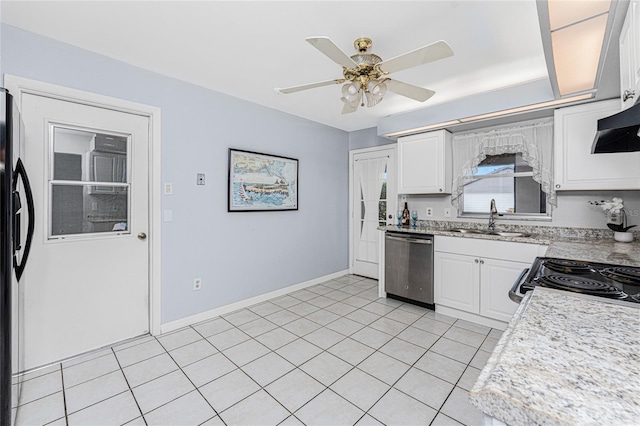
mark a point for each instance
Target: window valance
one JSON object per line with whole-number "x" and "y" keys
{"x": 534, "y": 139}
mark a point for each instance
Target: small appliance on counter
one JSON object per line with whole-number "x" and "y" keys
{"x": 611, "y": 281}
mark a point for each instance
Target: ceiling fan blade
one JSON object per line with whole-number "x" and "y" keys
{"x": 420, "y": 94}
{"x": 429, "y": 53}
{"x": 293, "y": 89}
{"x": 333, "y": 52}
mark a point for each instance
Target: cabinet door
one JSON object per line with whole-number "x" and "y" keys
{"x": 575, "y": 167}
{"x": 424, "y": 163}
{"x": 496, "y": 278}
{"x": 634, "y": 10}
{"x": 628, "y": 57}
{"x": 457, "y": 281}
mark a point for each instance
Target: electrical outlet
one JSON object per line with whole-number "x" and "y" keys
{"x": 197, "y": 284}
{"x": 447, "y": 212}
{"x": 429, "y": 211}
{"x": 168, "y": 189}
{"x": 200, "y": 178}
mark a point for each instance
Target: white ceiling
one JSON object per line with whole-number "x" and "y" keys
{"x": 245, "y": 49}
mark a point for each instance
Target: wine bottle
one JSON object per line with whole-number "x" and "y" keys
{"x": 406, "y": 216}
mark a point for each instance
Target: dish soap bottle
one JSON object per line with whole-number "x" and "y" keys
{"x": 406, "y": 216}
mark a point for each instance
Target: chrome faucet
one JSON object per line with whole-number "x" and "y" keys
{"x": 493, "y": 212}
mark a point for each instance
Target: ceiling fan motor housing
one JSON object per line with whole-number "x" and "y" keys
{"x": 367, "y": 69}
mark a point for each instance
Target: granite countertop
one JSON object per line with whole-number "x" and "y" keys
{"x": 564, "y": 359}
{"x": 595, "y": 245}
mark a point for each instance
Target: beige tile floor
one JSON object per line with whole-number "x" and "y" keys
{"x": 331, "y": 354}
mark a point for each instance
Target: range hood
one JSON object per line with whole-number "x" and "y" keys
{"x": 619, "y": 132}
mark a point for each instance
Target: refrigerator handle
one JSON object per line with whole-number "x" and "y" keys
{"x": 22, "y": 173}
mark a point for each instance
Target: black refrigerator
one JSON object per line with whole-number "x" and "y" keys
{"x": 14, "y": 188}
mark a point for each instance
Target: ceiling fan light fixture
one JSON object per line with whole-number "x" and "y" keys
{"x": 351, "y": 94}
{"x": 375, "y": 92}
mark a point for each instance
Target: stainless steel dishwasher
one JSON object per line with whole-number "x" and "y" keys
{"x": 408, "y": 263}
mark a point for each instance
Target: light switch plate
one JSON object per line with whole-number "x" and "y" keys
{"x": 200, "y": 178}
{"x": 168, "y": 189}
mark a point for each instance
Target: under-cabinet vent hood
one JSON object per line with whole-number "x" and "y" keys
{"x": 619, "y": 132}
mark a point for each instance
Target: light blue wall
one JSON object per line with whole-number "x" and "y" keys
{"x": 367, "y": 138}
{"x": 237, "y": 255}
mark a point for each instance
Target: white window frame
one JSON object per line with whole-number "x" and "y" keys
{"x": 505, "y": 216}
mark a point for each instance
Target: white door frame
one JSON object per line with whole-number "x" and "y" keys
{"x": 18, "y": 86}
{"x": 352, "y": 154}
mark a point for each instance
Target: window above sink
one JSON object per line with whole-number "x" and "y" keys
{"x": 508, "y": 179}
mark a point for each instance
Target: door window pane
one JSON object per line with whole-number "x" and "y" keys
{"x": 81, "y": 155}
{"x": 89, "y": 188}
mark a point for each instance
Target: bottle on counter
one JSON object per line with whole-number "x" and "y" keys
{"x": 406, "y": 216}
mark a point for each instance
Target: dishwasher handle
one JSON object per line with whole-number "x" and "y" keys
{"x": 410, "y": 240}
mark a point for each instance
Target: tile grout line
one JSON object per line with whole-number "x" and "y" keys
{"x": 129, "y": 386}
{"x": 64, "y": 396}
{"x": 197, "y": 389}
{"x": 258, "y": 384}
{"x": 404, "y": 374}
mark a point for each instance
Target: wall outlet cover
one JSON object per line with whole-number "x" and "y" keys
{"x": 429, "y": 211}
{"x": 168, "y": 189}
{"x": 200, "y": 178}
{"x": 197, "y": 284}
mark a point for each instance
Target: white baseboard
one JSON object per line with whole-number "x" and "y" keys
{"x": 488, "y": 322}
{"x": 204, "y": 316}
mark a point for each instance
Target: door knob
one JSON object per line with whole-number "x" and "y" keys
{"x": 142, "y": 236}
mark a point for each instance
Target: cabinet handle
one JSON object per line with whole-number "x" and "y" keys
{"x": 557, "y": 185}
{"x": 482, "y": 262}
{"x": 475, "y": 260}
{"x": 440, "y": 189}
{"x": 628, "y": 94}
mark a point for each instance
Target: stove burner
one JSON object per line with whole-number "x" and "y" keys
{"x": 580, "y": 285}
{"x": 623, "y": 274}
{"x": 568, "y": 266}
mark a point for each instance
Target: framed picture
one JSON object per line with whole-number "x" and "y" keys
{"x": 261, "y": 182}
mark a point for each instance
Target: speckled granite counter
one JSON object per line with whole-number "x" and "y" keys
{"x": 597, "y": 250}
{"x": 564, "y": 359}
{"x": 596, "y": 245}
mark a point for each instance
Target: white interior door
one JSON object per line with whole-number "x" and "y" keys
{"x": 374, "y": 198}
{"x": 86, "y": 284}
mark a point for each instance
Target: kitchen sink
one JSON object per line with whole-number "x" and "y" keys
{"x": 489, "y": 232}
{"x": 466, "y": 231}
{"x": 508, "y": 234}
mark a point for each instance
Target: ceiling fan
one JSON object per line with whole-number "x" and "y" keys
{"x": 366, "y": 73}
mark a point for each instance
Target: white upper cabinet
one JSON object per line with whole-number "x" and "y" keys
{"x": 424, "y": 163}
{"x": 575, "y": 167}
{"x": 630, "y": 56}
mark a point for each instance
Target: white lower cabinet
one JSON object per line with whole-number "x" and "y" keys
{"x": 472, "y": 277}
{"x": 462, "y": 278}
{"x": 496, "y": 279}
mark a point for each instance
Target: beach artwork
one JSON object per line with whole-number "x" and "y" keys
{"x": 260, "y": 182}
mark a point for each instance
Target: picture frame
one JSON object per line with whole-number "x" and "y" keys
{"x": 259, "y": 182}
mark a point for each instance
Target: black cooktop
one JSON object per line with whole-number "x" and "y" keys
{"x": 596, "y": 279}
